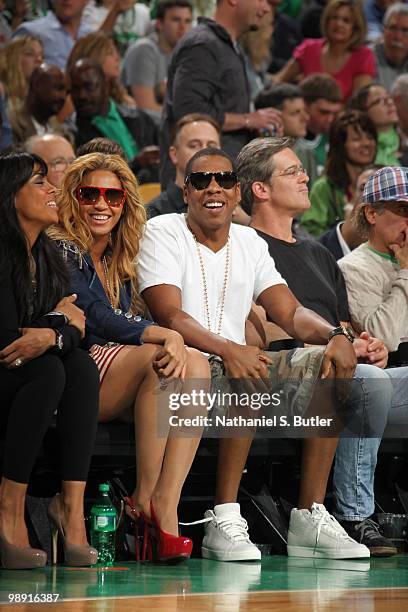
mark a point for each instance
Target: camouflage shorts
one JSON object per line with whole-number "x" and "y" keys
{"x": 292, "y": 375}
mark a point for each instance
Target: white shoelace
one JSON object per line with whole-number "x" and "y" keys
{"x": 234, "y": 525}
{"x": 326, "y": 520}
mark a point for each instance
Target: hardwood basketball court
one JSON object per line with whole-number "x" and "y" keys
{"x": 199, "y": 585}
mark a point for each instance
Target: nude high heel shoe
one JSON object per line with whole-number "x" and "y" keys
{"x": 15, "y": 557}
{"x": 75, "y": 555}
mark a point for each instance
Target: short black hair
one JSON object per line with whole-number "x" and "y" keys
{"x": 165, "y": 5}
{"x": 208, "y": 152}
{"x": 276, "y": 95}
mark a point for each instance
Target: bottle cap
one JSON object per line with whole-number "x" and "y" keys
{"x": 103, "y": 487}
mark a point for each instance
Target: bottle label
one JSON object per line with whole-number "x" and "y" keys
{"x": 104, "y": 523}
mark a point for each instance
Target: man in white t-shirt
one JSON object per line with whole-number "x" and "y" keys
{"x": 199, "y": 275}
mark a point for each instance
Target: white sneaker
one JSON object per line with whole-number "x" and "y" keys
{"x": 226, "y": 536}
{"x": 318, "y": 534}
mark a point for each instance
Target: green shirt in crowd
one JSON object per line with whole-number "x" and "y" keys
{"x": 388, "y": 144}
{"x": 112, "y": 126}
{"x": 327, "y": 207}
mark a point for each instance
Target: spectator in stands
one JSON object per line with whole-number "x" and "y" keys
{"x": 374, "y": 13}
{"x": 56, "y": 151}
{"x": 98, "y": 115}
{"x": 289, "y": 100}
{"x": 391, "y": 53}
{"x": 42, "y": 373}
{"x": 353, "y": 143}
{"x": 12, "y": 14}
{"x": 376, "y": 273}
{"x": 146, "y": 62}
{"x": 379, "y": 105}
{"x": 17, "y": 62}
{"x": 101, "y": 48}
{"x": 286, "y": 36}
{"x": 322, "y": 98}
{"x": 58, "y": 30}
{"x": 46, "y": 96}
{"x": 310, "y": 18}
{"x": 343, "y": 238}
{"x": 198, "y": 82}
{"x": 257, "y": 49}
{"x": 127, "y": 20}
{"x": 101, "y": 223}
{"x": 273, "y": 199}
{"x": 101, "y": 145}
{"x": 340, "y": 53}
{"x": 191, "y": 134}
{"x": 235, "y": 268}
{"x": 18, "y": 11}
{"x": 399, "y": 92}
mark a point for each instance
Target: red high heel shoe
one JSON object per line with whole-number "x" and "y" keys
{"x": 163, "y": 547}
{"x": 140, "y": 530}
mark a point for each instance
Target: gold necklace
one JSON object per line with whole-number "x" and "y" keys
{"x": 224, "y": 287}
{"x": 108, "y": 287}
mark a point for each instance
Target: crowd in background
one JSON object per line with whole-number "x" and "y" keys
{"x": 83, "y": 69}
{"x": 94, "y": 93}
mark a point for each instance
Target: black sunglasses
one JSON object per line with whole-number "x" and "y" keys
{"x": 201, "y": 180}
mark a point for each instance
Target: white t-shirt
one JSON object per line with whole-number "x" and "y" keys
{"x": 135, "y": 21}
{"x": 168, "y": 256}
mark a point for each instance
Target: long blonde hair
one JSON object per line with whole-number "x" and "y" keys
{"x": 257, "y": 44}
{"x": 125, "y": 238}
{"x": 96, "y": 46}
{"x": 11, "y": 72}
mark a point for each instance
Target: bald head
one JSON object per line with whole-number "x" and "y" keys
{"x": 47, "y": 91}
{"x": 89, "y": 89}
{"x": 56, "y": 151}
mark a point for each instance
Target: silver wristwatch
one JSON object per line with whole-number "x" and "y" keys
{"x": 59, "y": 340}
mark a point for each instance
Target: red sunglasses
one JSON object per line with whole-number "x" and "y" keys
{"x": 113, "y": 196}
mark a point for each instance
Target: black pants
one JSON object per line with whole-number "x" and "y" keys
{"x": 31, "y": 394}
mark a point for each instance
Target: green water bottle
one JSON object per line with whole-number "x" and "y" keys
{"x": 103, "y": 527}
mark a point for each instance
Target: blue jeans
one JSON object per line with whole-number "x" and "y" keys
{"x": 379, "y": 397}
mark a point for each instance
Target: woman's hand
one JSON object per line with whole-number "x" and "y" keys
{"x": 34, "y": 342}
{"x": 75, "y": 315}
{"x": 171, "y": 360}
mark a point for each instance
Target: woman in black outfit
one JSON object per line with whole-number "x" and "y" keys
{"x": 41, "y": 370}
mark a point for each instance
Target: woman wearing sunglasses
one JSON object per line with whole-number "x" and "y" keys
{"x": 101, "y": 223}
{"x": 41, "y": 370}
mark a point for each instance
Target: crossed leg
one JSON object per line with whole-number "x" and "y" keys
{"x": 163, "y": 458}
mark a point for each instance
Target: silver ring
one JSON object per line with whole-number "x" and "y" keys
{"x": 18, "y": 362}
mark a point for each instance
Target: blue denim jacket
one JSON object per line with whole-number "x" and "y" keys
{"x": 103, "y": 323}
